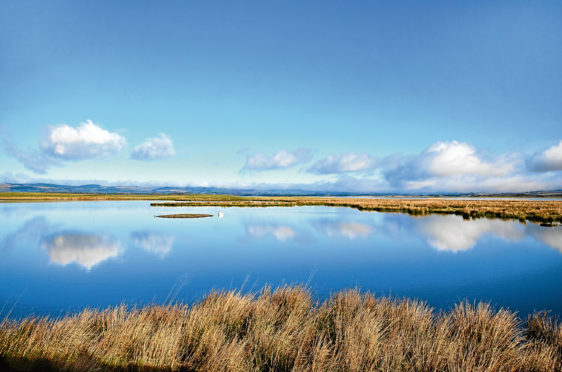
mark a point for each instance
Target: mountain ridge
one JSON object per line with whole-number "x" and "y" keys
{"x": 128, "y": 189}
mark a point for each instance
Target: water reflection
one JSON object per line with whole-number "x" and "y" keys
{"x": 87, "y": 250}
{"x": 155, "y": 243}
{"x": 32, "y": 231}
{"x": 453, "y": 234}
{"x": 280, "y": 232}
{"x": 349, "y": 230}
{"x": 108, "y": 252}
{"x": 443, "y": 233}
{"x": 551, "y": 236}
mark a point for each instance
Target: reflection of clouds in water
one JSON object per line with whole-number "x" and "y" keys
{"x": 31, "y": 231}
{"x": 452, "y": 233}
{"x": 87, "y": 250}
{"x": 396, "y": 226}
{"x": 350, "y": 230}
{"x": 280, "y": 232}
{"x": 156, "y": 243}
{"x": 11, "y": 210}
{"x": 551, "y": 236}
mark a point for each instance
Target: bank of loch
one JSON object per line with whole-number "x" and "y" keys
{"x": 543, "y": 211}
{"x": 283, "y": 330}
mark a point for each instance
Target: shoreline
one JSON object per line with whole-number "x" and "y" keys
{"x": 548, "y": 212}
{"x": 285, "y": 329}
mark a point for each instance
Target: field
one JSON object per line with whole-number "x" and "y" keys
{"x": 45, "y": 196}
{"x": 542, "y": 211}
{"x": 547, "y": 212}
{"x": 285, "y": 330}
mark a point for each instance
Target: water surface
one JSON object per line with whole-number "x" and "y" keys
{"x": 59, "y": 257}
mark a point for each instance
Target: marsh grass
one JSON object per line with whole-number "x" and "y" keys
{"x": 545, "y": 212}
{"x": 284, "y": 330}
{"x": 48, "y": 196}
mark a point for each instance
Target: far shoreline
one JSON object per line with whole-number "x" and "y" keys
{"x": 543, "y": 211}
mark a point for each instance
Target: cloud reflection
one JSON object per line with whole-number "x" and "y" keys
{"x": 453, "y": 234}
{"x": 349, "y": 230}
{"x": 280, "y": 232}
{"x": 87, "y": 250}
{"x": 155, "y": 243}
{"x": 551, "y": 236}
{"x": 32, "y": 231}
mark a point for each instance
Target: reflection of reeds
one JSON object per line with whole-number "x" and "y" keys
{"x": 285, "y": 330}
{"x": 524, "y": 210}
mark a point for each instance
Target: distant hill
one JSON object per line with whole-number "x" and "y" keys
{"x": 99, "y": 189}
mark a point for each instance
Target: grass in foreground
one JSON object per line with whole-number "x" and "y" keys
{"x": 285, "y": 330}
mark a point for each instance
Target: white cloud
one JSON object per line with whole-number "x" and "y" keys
{"x": 281, "y": 160}
{"x": 64, "y": 142}
{"x": 35, "y": 161}
{"x": 548, "y": 160}
{"x": 154, "y": 148}
{"x": 85, "y": 249}
{"x": 471, "y": 183}
{"x": 346, "y": 163}
{"x": 449, "y": 166}
{"x": 453, "y": 234}
{"x": 158, "y": 244}
{"x": 451, "y": 158}
{"x": 88, "y": 140}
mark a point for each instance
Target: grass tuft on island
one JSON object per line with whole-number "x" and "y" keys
{"x": 284, "y": 330}
{"x": 185, "y": 215}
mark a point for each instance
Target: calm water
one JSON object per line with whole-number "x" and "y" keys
{"x": 59, "y": 257}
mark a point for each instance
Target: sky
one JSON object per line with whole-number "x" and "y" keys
{"x": 357, "y": 96}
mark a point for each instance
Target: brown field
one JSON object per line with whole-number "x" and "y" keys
{"x": 546, "y": 211}
{"x": 45, "y": 196}
{"x": 541, "y": 211}
{"x": 285, "y": 330}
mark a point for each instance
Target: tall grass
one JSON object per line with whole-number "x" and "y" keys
{"x": 547, "y": 212}
{"x": 542, "y": 211}
{"x": 285, "y": 330}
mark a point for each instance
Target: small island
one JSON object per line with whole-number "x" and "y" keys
{"x": 185, "y": 215}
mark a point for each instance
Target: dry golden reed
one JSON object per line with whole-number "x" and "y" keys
{"x": 284, "y": 330}
{"x": 543, "y": 211}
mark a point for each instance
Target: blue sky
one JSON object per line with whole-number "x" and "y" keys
{"x": 354, "y": 96}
